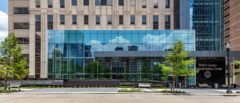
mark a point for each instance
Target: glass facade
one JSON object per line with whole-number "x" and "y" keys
{"x": 71, "y": 53}
{"x": 206, "y": 18}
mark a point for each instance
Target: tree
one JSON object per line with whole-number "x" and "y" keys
{"x": 237, "y": 63}
{"x": 177, "y": 63}
{"x": 12, "y": 64}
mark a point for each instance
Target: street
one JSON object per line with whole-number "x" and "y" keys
{"x": 114, "y": 98}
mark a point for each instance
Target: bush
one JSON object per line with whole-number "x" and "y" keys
{"x": 159, "y": 88}
{"x": 238, "y": 92}
{"x": 131, "y": 90}
{"x": 168, "y": 91}
{"x": 126, "y": 87}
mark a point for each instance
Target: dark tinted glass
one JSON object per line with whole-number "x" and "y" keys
{"x": 132, "y": 19}
{"x": 167, "y": 3}
{"x": 20, "y": 41}
{"x": 38, "y": 22}
{"x": 144, "y": 19}
{"x": 62, "y": 19}
{"x": 74, "y": 19}
{"x": 121, "y": 2}
{"x": 103, "y": 2}
{"x": 86, "y": 2}
{"x": 85, "y": 19}
{"x": 50, "y": 22}
{"x": 38, "y": 3}
{"x": 120, "y": 19}
{"x": 98, "y": 19}
{"x": 21, "y": 11}
{"x": 62, "y": 3}
{"x": 21, "y": 25}
{"x": 49, "y": 3}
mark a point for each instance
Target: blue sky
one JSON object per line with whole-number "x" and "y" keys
{"x": 3, "y": 19}
{"x": 4, "y": 6}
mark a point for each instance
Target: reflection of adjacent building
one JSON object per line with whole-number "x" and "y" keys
{"x": 132, "y": 48}
{"x": 119, "y": 49}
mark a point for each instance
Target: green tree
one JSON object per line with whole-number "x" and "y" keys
{"x": 177, "y": 62}
{"x": 94, "y": 67}
{"x": 237, "y": 63}
{"x": 11, "y": 62}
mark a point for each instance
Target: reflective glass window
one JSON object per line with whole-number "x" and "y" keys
{"x": 86, "y": 2}
{"x": 73, "y": 38}
{"x": 128, "y": 38}
{"x": 58, "y": 38}
{"x": 170, "y": 38}
{"x": 109, "y": 2}
{"x": 155, "y": 3}
{"x": 109, "y": 19}
{"x": 97, "y": 2}
{"x": 121, "y": 38}
{"x": 74, "y": 19}
{"x": 184, "y": 38}
{"x": 62, "y": 3}
{"x": 62, "y": 19}
{"x": 167, "y": 22}
{"x": 167, "y": 3}
{"x": 49, "y": 3}
{"x": 155, "y": 21}
{"x": 114, "y": 38}
{"x": 120, "y": 19}
{"x": 142, "y": 38}
{"x": 144, "y": 19}
{"x": 107, "y": 38}
{"x": 74, "y": 2}
{"x": 132, "y": 2}
{"x": 120, "y": 2}
{"x": 87, "y": 38}
{"x": 38, "y": 3}
{"x": 101, "y": 38}
{"x": 177, "y": 37}
{"x": 97, "y": 19}
{"x": 144, "y": 3}
{"x": 132, "y": 19}
{"x": 135, "y": 38}
{"x": 80, "y": 38}
{"x": 50, "y": 22}
{"x": 65, "y": 38}
{"x": 86, "y": 19}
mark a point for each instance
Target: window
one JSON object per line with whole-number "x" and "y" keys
{"x": 167, "y": 21}
{"x": 109, "y": 19}
{"x": 97, "y": 19}
{"x": 86, "y": 19}
{"x": 121, "y": 2}
{"x": 155, "y": 3}
{"x": 21, "y": 25}
{"x": 50, "y": 22}
{"x": 155, "y": 21}
{"x": 38, "y": 23}
{"x": 120, "y": 19}
{"x": 167, "y": 3}
{"x": 49, "y": 3}
{"x": 38, "y": 4}
{"x": 74, "y": 19}
{"x": 21, "y": 11}
{"x": 144, "y": 4}
{"x": 86, "y": 2}
{"x": 62, "y": 19}
{"x": 109, "y": 2}
{"x": 132, "y": 19}
{"x": 132, "y": 2}
{"x": 144, "y": 20}
{"x": 62, "y": 3}
{"x": 103, "y": 2}
{"x": 74, "y": 2}
{"x": 22, "y": 40}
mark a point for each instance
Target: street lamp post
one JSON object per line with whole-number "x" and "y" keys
{"x": 229, "y": 91}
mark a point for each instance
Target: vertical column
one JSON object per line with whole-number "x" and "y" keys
{"x": 171, "y": 21}
{"x": 43, "y": 55}
{"x": 80, "y": 20}
{"x": 126, "y": 16}
{"x": 32, "y": 45}
{"x": 115, "y": 15}
{"x": 161, "y": 20}
{"x": 56, "y": 19}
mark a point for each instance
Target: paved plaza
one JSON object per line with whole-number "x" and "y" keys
{"x": 200, "y": 91}
{"x": 114, "y": 98}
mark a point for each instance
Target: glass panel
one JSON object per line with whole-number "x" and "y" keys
{"x": 191, "y": 38}
{"x": 74, "y": 18}
{"x": 80, "y": 38}
{"x": 184, "y": 38}
{"x": 114, "y": 38}
{"x": 155, "y": 38}
{"x": 107, "y": 38}
{"x": 155, "y": 47}
{"x": 87, "y": 38}
{"x": 155, "y": 2}
{"x": 50, "y": 18}
{"x": 74, "y": 2}
{"x": 65, "y": 38}
{"x": 58, "y": 38}
{"x": 144, "y": 2}
{"x": 191, "y": 47}
{"x": 163, "y": 47}
{"x": 177, "y": 37}
{"x": 135, "y": 38}
{"x": 100, "y": 38}
{"x": 97, "y": 2}
{"x": 170, "y": 38}
{"x": 51, "y": 38}
{"x": 128, "y": 38}
{"x": 73, "y": 38}
{"x": 109, "y": 2}
{"x": 62, "y": 18}
{"x": 132, "y": 2}
{"x": 155, "y": 18}
{"x": 144, "y": 18}
{"x": 142, "y": 38}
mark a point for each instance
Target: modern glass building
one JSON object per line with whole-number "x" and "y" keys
{"x": 206, "y": 17}
{"x": 71, "y": 53}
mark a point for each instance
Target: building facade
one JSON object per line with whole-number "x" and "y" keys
{"x": 35, "y": 21}
{"x": 232, "y": 26}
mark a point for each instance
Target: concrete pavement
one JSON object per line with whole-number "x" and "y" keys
{"x": 114, "y": 98}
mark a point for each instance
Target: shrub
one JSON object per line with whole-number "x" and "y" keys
{"x": 237, "y": 91}
{"x": 75, "y": 86}
{"x": 131, "y": 90}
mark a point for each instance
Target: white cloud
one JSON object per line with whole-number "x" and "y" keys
{"x": 3, "y": 25}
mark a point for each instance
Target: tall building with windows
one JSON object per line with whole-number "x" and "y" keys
{"x": 231, "y": 35}
{"x": 61, "y": 37}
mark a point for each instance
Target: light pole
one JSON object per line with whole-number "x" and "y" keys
{"x": 229, "y": 91}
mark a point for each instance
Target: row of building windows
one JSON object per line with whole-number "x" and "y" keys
{"x": 104, "y": 3}
{"x": 19, "y": 10}
{"x": 109, "y": 20}
{"x": 23, "y": 40}
{"x": 86, "y": 20}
